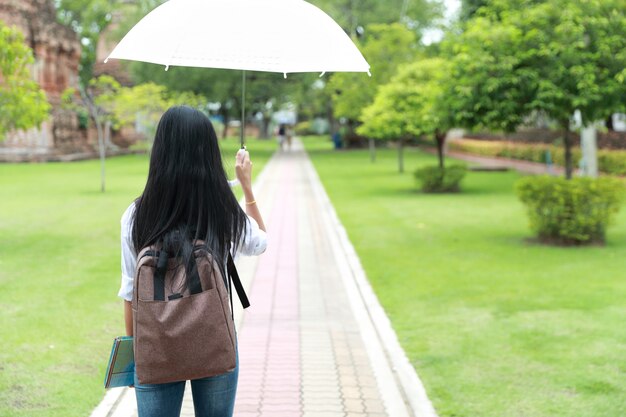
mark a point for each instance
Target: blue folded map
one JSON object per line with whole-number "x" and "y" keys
{"x": 121, "y": 368}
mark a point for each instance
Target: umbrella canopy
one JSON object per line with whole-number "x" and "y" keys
{"x": 284, "y": 36}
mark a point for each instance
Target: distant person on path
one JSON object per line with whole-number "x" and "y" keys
{"x": 289, "y": 133}
{"x": 281, "y": 136}
{"x": 187, "y": 198}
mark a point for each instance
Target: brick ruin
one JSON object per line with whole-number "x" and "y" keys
{"x": 56, "y": 49}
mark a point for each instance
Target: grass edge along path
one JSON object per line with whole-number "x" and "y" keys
{"x": 59, "y": 277}
{"x": 495, "y": 326}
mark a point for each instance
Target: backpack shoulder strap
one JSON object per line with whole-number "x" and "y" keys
{"x": 234, "y": 276}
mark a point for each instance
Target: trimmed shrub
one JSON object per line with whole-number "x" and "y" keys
{"x": 570, "y": 212}
{"x": 433, "y": 179}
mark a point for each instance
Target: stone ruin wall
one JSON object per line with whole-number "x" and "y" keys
{"x": 56, "y": 49}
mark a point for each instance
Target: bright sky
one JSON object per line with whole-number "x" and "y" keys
{"x": 451, "y": 10}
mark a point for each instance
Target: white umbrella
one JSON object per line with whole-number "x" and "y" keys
{"x": 283, "y": 36}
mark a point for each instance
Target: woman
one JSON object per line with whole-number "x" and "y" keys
{"x": 187, "y": 197}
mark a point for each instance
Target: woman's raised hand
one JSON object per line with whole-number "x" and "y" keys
{"x": 243, "y": 168}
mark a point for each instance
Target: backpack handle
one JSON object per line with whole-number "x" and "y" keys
{"x": 195, "y": 285}
{"x": 158, "y": 279}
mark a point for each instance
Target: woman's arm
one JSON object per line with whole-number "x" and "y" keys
{"x": 129, "y": 262}
{"x": 128, "y": 317}
{"x": 243, "y": 169}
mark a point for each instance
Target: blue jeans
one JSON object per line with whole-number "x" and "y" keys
{"x": 212, "y": 397}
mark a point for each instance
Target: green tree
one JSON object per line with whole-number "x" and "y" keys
{"x": 385, "y": 46}
{"x": 23, "y": 103}
{"x": 88, "y": 18}
{"x": 552, "y": 57}
{"x": 356, "y": 18}
{"x": 142, "y": 103}
{"x": 412, "y": 104}
{"x": 96, "y": 97}
{"x": 111, "y": 105}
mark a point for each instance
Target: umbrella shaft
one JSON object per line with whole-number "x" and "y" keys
{"x": 243, "y": 107}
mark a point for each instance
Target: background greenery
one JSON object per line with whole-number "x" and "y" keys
{"x": 496, "y": 326}
{"x": 22, "y": 101}
{"x": 610, "y": 161}
{"x": 59, "y": 310}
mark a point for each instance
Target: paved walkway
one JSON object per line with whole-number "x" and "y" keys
{"x": 315, "y": 342}
{"x": 526, "y": 167}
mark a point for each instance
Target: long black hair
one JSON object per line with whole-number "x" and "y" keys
{"x": 187, "y": 195}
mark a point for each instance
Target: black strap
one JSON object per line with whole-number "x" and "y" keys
{"x": 159, "y": 276}
{"x": 195, "y": 286}
{"x": 230, "y": 297}
{"x": 232, "y": 273}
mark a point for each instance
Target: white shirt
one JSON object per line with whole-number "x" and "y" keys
{"x": 254, "y": 243}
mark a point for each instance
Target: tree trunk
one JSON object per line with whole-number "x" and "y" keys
{"x": 372, "y": 150}
{"x": 567, "y": 141}
{"x": 100, "y": 130}
{"x": 94, "y": 112}
{"x": 333, "y": 126}
{"x": 226, "y": 118}
{"x": 265, "y": 131}
{"x": 107, "y": 135}
{"x": 589, "y": 147}
{"x": 401, "y": 156}
{"x": 440, "y": 138}
{"x": 609, "y": 122}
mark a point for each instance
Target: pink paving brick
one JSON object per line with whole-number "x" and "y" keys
{"x": 269, "y": 337}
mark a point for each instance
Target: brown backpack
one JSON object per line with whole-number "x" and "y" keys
{"x": 182, "y": 325}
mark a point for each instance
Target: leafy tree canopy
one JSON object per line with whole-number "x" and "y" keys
{"x": 385, "y": 46}
{"x": 552, "y": 57}
{"x": 23, "y": 103}
{"x": 555, "y": 57}
{"x": 411, "y": 104}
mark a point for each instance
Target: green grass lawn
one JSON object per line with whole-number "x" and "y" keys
{"x": 495, "y": 326}
{"x": 59, "y": 277}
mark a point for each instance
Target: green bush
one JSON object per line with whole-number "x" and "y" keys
{"x": 435, "y": 180}
{"x": 304, "y": 128}
{"x": 576, "y": 211}
{"x": 612, "y": 161}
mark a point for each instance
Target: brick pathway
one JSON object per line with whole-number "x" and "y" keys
{"x": 301, "y": 352}
{"x": 307, "y": 345}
